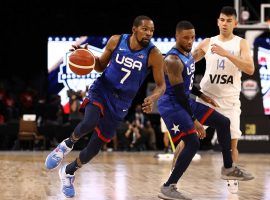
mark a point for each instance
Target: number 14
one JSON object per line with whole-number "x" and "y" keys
{"x": 220, "y": 63}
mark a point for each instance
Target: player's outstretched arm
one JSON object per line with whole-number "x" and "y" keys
{"x": 203, "y": 96}
{"x": 103, "y": 60}
{"x": 200, "y": 51}
{"x": 209, "y": 100}
{"x": 157, "y": 63}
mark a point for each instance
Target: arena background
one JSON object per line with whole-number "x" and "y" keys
{"x": 26, "y": 27}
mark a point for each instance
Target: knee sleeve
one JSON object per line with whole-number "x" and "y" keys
{"x": 222, "y": 125}
{"x": 91, "y": 150}
{"x": 90, "y": 120}
{"x": 218, "y": 121}
{"x": 224, "y": 122}
{"x": 84, "y": 127}
{"x": 192, "y": 143}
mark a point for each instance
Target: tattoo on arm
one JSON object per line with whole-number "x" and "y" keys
{"x": 198, "y": 54}
{"x": 174, "y": 69}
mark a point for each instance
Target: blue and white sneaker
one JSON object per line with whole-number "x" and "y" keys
{"x": 54, "y": 159}
{"x": 67, "y": 182}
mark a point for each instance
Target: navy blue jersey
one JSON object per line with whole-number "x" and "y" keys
{"x": 175, "y": 116}
{"x": 123, "y": 76}
{"x": 187, "y": 74}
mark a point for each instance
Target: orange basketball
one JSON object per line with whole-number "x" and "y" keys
{"x": 81, "y": 61}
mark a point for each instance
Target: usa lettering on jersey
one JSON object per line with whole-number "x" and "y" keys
{"x": 191, "y": 69}
{"x": 128, "y": 62}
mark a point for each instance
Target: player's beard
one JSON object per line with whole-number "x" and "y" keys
{"x": 186, "y": 49}
{"x": 142, "y": 42}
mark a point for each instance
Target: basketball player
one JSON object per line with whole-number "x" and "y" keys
{"x": 180, "y": 112}
{"x": 227, "y": 56}
{"x": 125, "y": 63}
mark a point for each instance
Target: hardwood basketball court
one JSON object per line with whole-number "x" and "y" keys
{"x": 128, "y": 176}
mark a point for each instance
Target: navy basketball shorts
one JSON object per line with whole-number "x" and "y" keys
{"x": 107, "y": 124}
{"x": 177, "y": 119}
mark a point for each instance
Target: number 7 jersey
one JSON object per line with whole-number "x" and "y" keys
{"x": 222, "y": 78}
{"x": 124, "y": 74}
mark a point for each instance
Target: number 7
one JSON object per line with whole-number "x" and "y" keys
{"x": 128, "y": 72}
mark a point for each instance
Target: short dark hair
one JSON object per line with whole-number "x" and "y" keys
{"x": 138, "y": 20}
{"x": 184, "y": 25}
{"x": 228, "y": 10}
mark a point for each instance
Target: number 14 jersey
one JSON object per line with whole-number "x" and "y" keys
{"x": 222, "y": 78}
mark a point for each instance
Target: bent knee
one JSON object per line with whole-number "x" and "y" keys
{"x": 192, "y": 142}
{"x": 86, "y": 126}
{"x": 225, "y": 122}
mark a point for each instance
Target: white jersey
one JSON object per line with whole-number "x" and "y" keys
{"x": 222, "y": 78}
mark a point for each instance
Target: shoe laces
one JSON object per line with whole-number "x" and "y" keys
{"x": 65, "y": 149}
{"x": 56, "y": 157}
{"x": 178, "y": 194}
{"x": 237, "y": 170}
{"x": 242, "y": 169}
{"x": 62, "y": 148}
{"x": 68, "y": 180}
{"x": 173, "y": 187}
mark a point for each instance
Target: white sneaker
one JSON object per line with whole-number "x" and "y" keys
{"x": 54, "y": 159}
{"x": 171, "y": 193}
{"x": 235, "y": 173}
{"x": 67, "y": 182}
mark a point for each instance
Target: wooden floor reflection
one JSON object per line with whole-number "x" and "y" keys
{"x": 127, "y": 176}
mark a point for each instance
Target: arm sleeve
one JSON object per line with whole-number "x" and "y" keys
{"x": 196, "y": 91}
{"x": 183, "y": 99}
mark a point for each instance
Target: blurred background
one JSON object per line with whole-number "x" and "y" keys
{"x": 36, "y": 84}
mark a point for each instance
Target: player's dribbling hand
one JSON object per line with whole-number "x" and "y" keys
{"x": 200, "y": 130}
{"x": 209, "y": 100}
{"x": 147, "y": 105}
{"x": 75, "y": 47}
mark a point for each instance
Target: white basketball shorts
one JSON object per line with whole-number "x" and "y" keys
{"x": 229, "y": 108}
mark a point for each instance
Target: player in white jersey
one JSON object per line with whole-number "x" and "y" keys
{"x": 227, "y": 56}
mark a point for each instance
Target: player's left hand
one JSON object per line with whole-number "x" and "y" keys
{"x": 148, "y": 105}
{"x": 209, "y": 100}
{"x": 200, "y": 129}
{"x": 215, "y": 48}
{"x": 75, "y": 47}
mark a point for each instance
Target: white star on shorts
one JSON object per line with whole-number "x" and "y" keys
{"x": 175, "y": 128}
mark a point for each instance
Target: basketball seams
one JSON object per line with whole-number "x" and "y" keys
{"x": 81, "y": 66}
{"x": 81, "y": 59}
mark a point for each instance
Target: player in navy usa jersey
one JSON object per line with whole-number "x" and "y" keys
{"x": 184, "y": 117}
{"x": 125, "y": 63}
